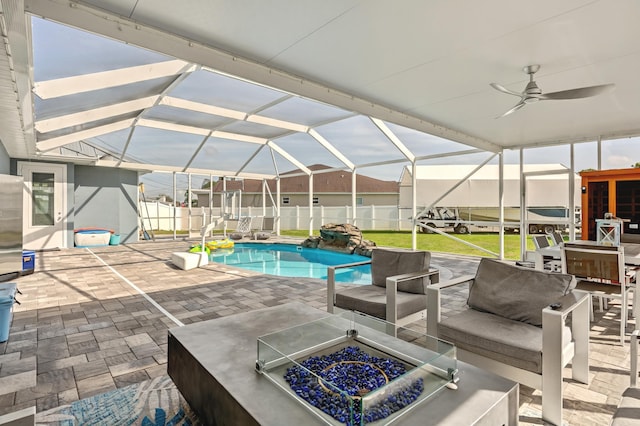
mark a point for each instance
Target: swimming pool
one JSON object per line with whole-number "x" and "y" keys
{"x": 288, "y": 260}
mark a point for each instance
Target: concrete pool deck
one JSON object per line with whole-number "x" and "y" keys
{"x": 93, "y": 320}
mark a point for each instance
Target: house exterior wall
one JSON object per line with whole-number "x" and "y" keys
{"x": 107, "y": 198}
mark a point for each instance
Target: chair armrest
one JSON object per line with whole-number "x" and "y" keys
{"x": 432, "y": 273}
{"x": 392, "y": 289}
{"x": 433, "y": 301}
{"x": 350, "y": 265}
{"x": 555, "y": 355}
{"x": 331, "y": 281}
{"x": 456, "y": 281}
{"x": 568, "y": 303}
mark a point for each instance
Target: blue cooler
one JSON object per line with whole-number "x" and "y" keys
{"x": 7, "y": 298}
{"x": 28, "y": 261}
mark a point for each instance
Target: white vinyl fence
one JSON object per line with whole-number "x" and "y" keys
{"x": 160, "y": 216}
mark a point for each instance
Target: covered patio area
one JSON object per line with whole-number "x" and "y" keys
{"x": 96, "y": 320}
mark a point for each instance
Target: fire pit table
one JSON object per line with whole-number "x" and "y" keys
{"x": 293, "y": 364}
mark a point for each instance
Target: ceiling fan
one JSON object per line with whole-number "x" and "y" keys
{"x": 532, "y": 93}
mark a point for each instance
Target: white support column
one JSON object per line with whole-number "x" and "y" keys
{"x": 175, "y": 208}
{"x": 354, "y": 190}
{"x": 523, "y": 230}
{"x": 189, "y": 199}
{"x": 599, "y": 152}
{"x": 278, "y": 215}
{"x": 501, "y": 203}
{"x": 211, "y": 200}
{"x": 264, "y": 197}
{"x": 572, "y": 194}
{"x": 414, "y": 208}
{"x": 311, "y": 204}
{"x": 223, "y": 204}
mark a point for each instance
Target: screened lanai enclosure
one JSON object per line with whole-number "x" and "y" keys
{"x": 98, "y": 96}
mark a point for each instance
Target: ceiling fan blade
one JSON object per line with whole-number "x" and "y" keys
{"x": 514, "y": 109}
{"x": 505, "y": 90}
{"x": 583, "y": 92}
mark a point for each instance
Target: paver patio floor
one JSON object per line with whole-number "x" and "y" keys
{"x": 93, "y": 320}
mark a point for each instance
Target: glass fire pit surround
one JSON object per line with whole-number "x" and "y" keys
{"x": 347, "y": 369}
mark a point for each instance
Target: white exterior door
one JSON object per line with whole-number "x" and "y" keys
{"x": 44, "y": 208}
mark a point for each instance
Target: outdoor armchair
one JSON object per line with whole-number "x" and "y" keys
{"x": 397, "y": 293}
{"x": 514, "y": 325}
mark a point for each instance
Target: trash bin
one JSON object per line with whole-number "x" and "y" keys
{"x": 114, "y": 240}
{"x": 7, "y": 298}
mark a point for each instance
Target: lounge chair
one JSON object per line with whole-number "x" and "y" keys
{"x": 243, "y": 229}
{"x": 265, "y": 229}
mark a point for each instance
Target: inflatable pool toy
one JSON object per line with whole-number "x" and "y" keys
{"x": 220, "y": 244}
{"x": 221, "y": 252}
{"x": 198, "y": 249}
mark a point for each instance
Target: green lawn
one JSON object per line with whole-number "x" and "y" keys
{"x": 440, "y": 243}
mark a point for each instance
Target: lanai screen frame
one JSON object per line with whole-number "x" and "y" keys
{"x": 149, "y": 34}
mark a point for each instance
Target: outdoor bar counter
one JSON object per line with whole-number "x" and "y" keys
{"x": 213, "y": 365}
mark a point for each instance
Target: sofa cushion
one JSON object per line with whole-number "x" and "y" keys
{"x": 389, "y": 262}
{"x": 371, "y": 300}
{"x": 516, "y": 292}
{"x": 510, "y": 342}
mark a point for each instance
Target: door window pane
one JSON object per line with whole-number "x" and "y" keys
{"x": 42, "y": 196}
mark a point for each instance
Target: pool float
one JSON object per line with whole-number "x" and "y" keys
{"x": 198, "y": 249}
{"x": 220, "y": 244}
{"x": 220, "y": 252}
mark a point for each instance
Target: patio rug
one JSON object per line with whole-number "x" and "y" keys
{"x": 154, "y": 402}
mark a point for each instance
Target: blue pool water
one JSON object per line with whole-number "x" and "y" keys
{"x": 288, "y": 260}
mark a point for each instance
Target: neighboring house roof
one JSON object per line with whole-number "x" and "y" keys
{"x": 323, "y": 183}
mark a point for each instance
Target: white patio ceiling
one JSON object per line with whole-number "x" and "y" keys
{"x": 345, "y": 83}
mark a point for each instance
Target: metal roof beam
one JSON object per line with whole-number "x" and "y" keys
{"x": 165, "y": 125}
{"x": 393, "y": 139}
{"x": 204, "y": 108}
{"x": 106, "y": 79}
{"x": 246, "y": 163}
{"x": 83, "y": 117}
{"x": 333, "y": 150}
{"x": 170, "y": 169}
{"x": 289, "y": 157}
{"x": 59, "y": 141}
{"x": 450, "y": 154}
